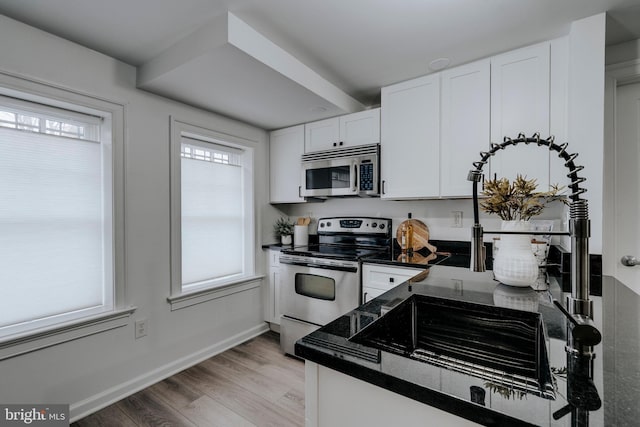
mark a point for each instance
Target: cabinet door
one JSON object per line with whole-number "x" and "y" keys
{"x": 465, "y": 103}
{"x": 274, "y": 276}
{"x": 285, "y": 166}
{"x": 410, "y": 139}
{"x": 322, "y": 135}
{"x": 384, "y": 277}
{"x": 520, "y": 104}
{"x": 271, "y": 297}
{"x": 360, "y": 128}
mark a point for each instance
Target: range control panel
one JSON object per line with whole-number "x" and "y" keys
{"x": 354, "y": 225}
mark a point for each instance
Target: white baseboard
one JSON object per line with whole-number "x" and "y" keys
{"x": 101, "y": 400}
{"x": 274, "y": 327}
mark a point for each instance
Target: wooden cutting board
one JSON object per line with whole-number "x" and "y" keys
{"x": 420, "y": 234}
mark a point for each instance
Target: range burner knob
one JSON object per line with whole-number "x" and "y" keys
{"x": 329, "y": 224}
{"x": 322, "y": 225}
{"x": 374, "y": 224}
{"x": 381, "y": 226}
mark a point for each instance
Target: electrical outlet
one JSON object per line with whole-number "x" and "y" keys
{"x": 141, "y": 328}
{"x": 456, "y": 219}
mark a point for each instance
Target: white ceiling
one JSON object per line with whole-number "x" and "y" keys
{"x": 356, "y": 45}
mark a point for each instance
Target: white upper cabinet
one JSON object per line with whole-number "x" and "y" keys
{"x": 465, "y": 124}
{"x": 410, "y": 139}
{"x": 322, "y": 135}
{"x": 345, "y": 131}
{"x": 285, "y": 167}
{"x": 431, "y": 129}
{"x": 360, "y": 128}
{"x": 520, "y": 104}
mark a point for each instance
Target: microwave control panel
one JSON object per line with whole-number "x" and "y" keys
{"x": 366, "y": 177}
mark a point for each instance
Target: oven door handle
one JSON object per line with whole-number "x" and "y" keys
{"x": 325, "y": 267}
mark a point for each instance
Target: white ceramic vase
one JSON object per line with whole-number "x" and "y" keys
{"x": 517, "y": 298}
{"x": 286, "y": 239}
{"x": 515, "y": 264}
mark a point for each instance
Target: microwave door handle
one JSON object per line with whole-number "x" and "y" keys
{"x": 355, "y": 178}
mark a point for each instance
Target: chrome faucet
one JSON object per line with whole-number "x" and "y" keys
{"x": 584, "y": 335}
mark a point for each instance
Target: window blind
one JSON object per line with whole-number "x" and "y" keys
{"x": 212, "y": 206}
{"x": 52, "y": 243}
{"x": 33, "y": 117}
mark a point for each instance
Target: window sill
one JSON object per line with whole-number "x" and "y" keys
{"x": 13, "y": 346}
{"x": 203, "y": 295}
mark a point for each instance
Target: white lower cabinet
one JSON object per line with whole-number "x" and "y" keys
{"x": 369, "y": 405}
{"x": 271, "y": 297}
{"x": 378, "y": 279}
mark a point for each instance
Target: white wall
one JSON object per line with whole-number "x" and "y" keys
{"x": 623, "y": 52}
{"x": 621, "y": 55}
{"x": 93, "y": 371}
{"x": 586, "y": 113}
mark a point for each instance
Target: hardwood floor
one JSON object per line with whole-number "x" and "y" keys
{"x": 253, "y": 384}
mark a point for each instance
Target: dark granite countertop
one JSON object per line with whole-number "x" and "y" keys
{"x": 449, "y": 253}
{"x": 456, "y": 389}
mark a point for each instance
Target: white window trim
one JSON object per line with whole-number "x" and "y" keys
{"x": 177, "y": 297}
{"x": 36, "y": 91}
{"x": 203, "y": 295}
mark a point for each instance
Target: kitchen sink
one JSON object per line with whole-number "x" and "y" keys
{"x": 505, "y": 347}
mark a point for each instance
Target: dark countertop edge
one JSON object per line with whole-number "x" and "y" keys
{"x": 275, "y": 246}
{"x": 476, "y": 413}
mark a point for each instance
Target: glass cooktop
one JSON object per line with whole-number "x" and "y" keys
{"x": 337, "y": 251}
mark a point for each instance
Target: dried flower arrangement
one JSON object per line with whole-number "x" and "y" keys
{"x": 517, "y": 200}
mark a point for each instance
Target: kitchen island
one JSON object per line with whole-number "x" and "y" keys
{"x": 361, "y": 376}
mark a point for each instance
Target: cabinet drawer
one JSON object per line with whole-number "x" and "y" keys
{"x": 385, "y": 277}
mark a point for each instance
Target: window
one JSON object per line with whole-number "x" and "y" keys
{"x": 57, "y": 238}
{"x": 212, "y": 210}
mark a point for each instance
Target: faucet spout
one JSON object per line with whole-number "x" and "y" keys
{"x": 580, "y": 228}
{"x": 478, "y": 250}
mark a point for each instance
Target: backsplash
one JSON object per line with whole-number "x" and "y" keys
{"x": 560, "y": 261}
{"x": 436, "y": 214}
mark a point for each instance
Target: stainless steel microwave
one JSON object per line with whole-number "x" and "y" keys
{"x": 351, "y": 171}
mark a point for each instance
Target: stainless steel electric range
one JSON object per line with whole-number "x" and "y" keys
{"x": 321, "y": 282}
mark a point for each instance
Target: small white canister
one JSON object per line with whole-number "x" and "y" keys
{"x": 301, "y": 235}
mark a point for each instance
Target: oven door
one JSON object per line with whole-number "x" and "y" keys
{"x": 335, "y": 177}
{"x": 318, "y": 293}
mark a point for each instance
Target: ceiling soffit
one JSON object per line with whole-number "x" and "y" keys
{"x": 227, "y": 66}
